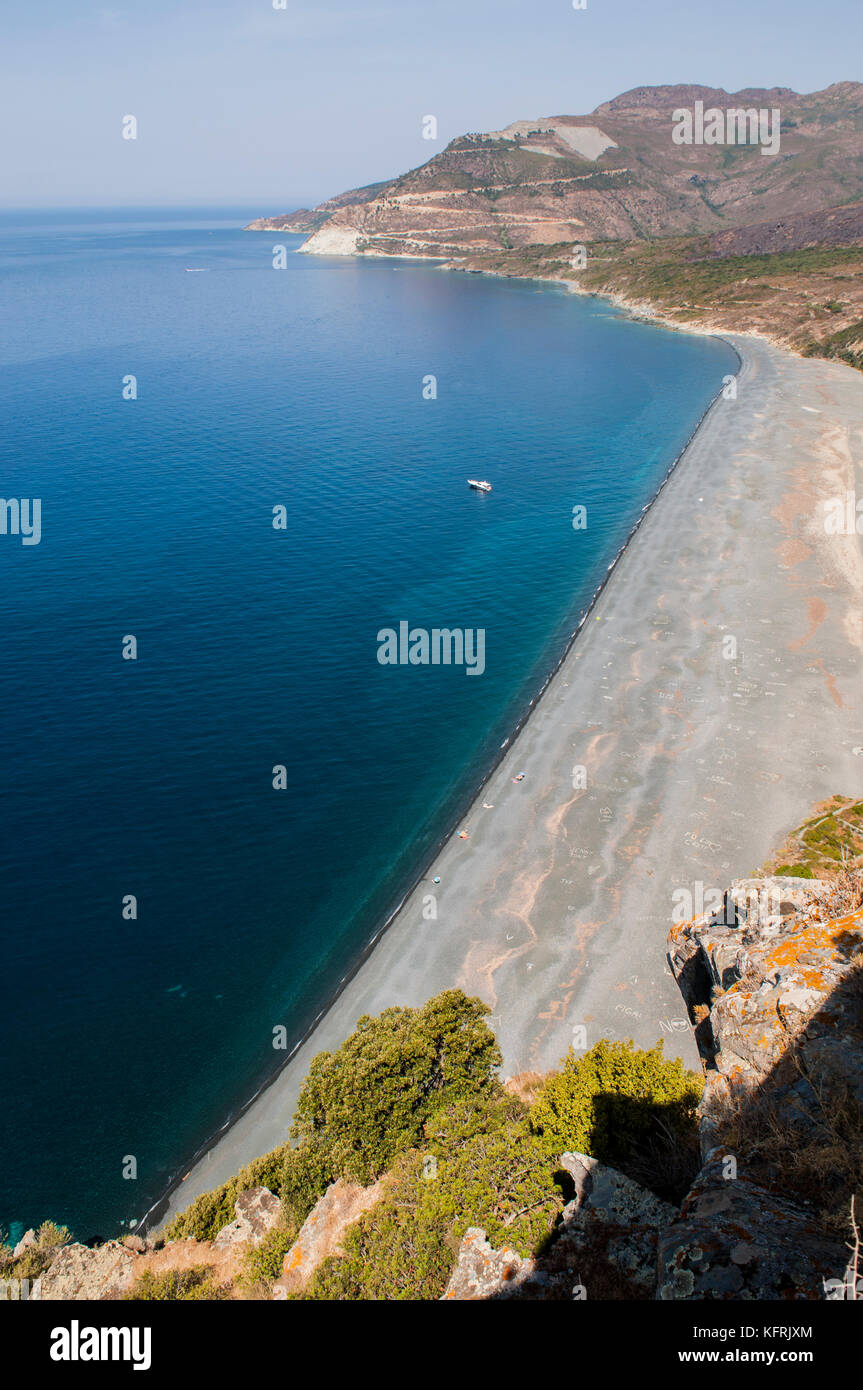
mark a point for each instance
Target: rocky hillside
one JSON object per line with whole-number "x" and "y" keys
{"x": 799, "y": 232}
{"x": 612, "y": 174}
{"x": 716, "y": 237}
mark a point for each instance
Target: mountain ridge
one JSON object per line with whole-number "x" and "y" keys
{"x": 543, "y": 180}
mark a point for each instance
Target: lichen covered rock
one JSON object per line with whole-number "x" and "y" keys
{"x": 79, "y": 1272}
{"x": 321, "y": 1234}
{"x": 776, "y": 991}
{"x": 776, "y": 980}
{"x": 735, "y": 1240}
{"x": 258, "y": 1212}
{"x": 482, "y": 1272}
{"x": 612, "y": 1213}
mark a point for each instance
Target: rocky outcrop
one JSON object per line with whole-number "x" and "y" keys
{"x": 28, "y": 1239}
{"x": 322, "y": 1232}
{"x": 736, "y": 1240}
{"x": 774, "y": 985}
{"x": 79, "y": 1272}
{"x": 611, "y": 1211}
{"x": 108, "y": 1271}
{"x": 258, "y": 1212}
{"x": 610, "y": 1219}
{"x": 482, "y": 1272}
{"x": 223, "y": 1265}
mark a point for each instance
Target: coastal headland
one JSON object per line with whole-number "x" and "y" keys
{"x": 713, "y": 694}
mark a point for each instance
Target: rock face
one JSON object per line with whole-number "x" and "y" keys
{"x": 258, "y": 1212}
{"x": 734, "y": 1239}
{"x": 610, "y": 1216}
{"x": 322, "y": 1232}
{"x": 179, "y": 1256}
{"x": 616, "y": 1213}
{"x": 81, "y": 1273}
{"x": 108, "y": 1271}
{"x": 28, "y": 1239}
{"x": 482, "y": 1272}
{"x": 780, "y": 978}
{"x": 775, "y": 985}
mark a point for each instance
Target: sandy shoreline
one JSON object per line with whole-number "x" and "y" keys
{"x": 556, "y": 909}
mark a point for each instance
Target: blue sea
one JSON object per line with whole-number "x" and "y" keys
{"x": 258, "y": 388}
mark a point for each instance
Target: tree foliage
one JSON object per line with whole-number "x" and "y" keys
{"x": 369, "y": 1101}
{"x": 478, "y": 1165}
{"x": 176, "y": 1285}
{"x": 362, "y": 1105}
{"x": 614, "y": 1100}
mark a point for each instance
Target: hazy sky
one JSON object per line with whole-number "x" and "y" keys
{"x": 238, "y": 102}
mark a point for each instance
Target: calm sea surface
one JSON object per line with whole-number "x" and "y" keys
{"x": 260, "y": 388}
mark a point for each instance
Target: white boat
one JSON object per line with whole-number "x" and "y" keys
{"x": 480, "y": 487}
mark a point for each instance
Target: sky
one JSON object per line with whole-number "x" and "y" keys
{"x": 238, "y": 103}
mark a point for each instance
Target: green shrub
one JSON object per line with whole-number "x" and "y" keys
{"x": 614, "y": 1102}
{"x": 212, "y": 1210}
{"x": 262, "y": 1264}
{"x": 176, "y": 1285}
{"x": 305, "y": 1176}
{"x": 50, "y": 1239}
{"x": 362, "y": 1105}
{"x": 369, "y": 1100}
{"x": 479, "y": 1165}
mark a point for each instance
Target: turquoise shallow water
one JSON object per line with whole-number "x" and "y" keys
{"x": 256, "y": 388}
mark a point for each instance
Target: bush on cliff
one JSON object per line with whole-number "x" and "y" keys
{"x": 364, "y": 1104}
{"x": 621, "y": 1105}
{"x": 176, "y": 1285}
{"x": 369, "y": 1101}
{"x": 36, "y": 1258}
{"x": 478, "y": 1165}
{"x": 262, "y": 1264}
{"x": 297, "y": 1175}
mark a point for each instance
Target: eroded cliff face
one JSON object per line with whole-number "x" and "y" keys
{"x": 774, "y": 987}
{"x": 775, "y": 991}
{"x": 110, "y": 1271}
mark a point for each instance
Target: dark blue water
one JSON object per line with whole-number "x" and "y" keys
{"x": 257, "y": 388}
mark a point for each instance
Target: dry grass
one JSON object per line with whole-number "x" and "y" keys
{"x": 819, "y": 1163}
{"x": 526, "y": 1085}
